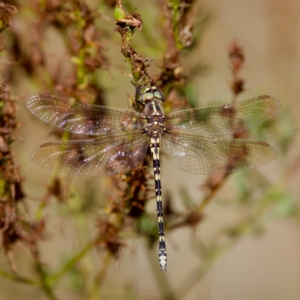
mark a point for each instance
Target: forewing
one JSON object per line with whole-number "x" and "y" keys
{"x": 224, "y": 119}
{"x": 76, "y": 117}
{"x": 200, "y": 154}
{"x": 107, "y": 155}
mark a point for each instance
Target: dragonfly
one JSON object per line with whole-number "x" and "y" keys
{"x": 122, "y": 137}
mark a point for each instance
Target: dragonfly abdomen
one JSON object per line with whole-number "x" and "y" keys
{"x": 162, "y": 252}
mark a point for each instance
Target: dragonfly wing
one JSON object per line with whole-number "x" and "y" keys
{"x": 225, "y": 119}
{"x": 204, "y": 155}
{"x": 107, "y": 155}
{"x": 76, "y": 117}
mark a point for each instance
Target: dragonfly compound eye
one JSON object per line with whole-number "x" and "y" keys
{"x": 159, "y": 95}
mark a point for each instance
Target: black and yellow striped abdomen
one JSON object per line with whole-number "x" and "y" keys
{"x": 162, "y": 252}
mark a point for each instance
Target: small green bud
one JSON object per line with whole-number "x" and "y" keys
{"x": 119, "y": 13}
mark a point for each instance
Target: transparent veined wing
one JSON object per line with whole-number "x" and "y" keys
{"x": 76, "y": 117}
{"x": 105, "y": 155}
{"x": 224, "y": 119}
{"x": 207, "y": 155}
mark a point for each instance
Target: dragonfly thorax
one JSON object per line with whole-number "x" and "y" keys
{"x": 155, "y": 116}
{"x": 151, "y": 97}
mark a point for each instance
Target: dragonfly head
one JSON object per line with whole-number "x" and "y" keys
{"x": 146, "y": 94}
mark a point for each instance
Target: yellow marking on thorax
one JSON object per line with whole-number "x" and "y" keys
{"x": 154, "y": 107}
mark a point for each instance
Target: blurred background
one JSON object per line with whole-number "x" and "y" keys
{"x": 68, "y": 242}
